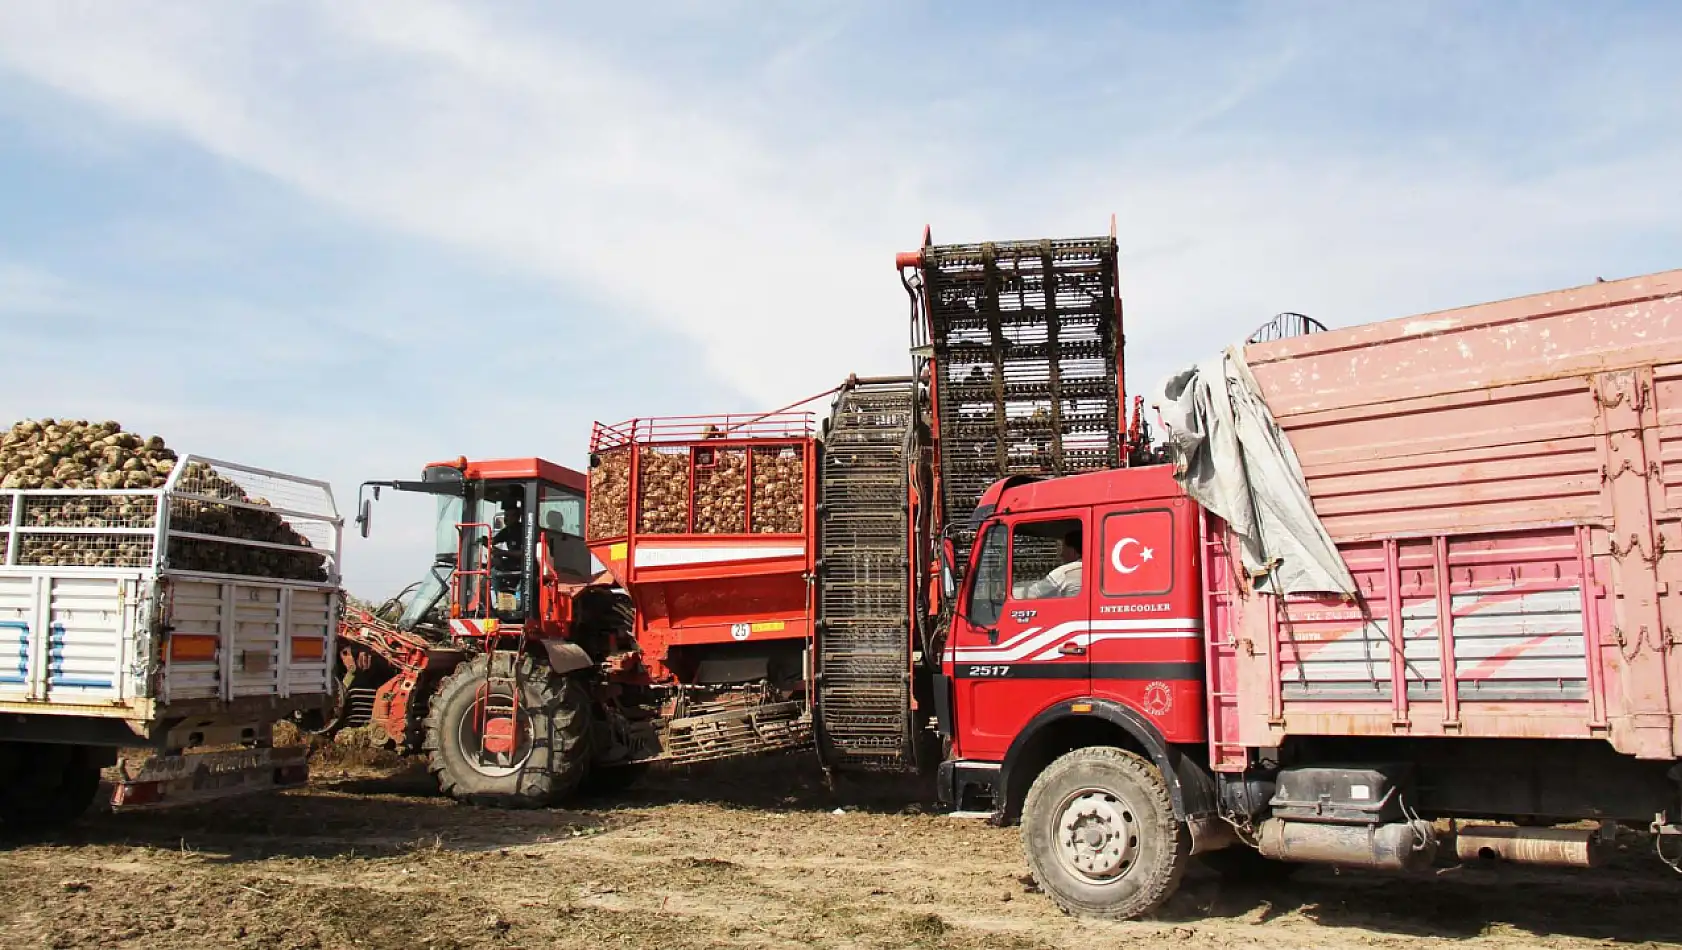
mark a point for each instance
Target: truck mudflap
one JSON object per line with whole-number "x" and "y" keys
{"x": 163, "y": 781}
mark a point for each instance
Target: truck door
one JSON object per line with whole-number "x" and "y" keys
{"x": 1146, "y": 643}
{"x": 1022, "y": 645}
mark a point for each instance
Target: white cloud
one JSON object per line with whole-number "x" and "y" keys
{"x": 522, "y": 150}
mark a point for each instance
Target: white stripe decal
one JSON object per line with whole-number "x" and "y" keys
{"x": 1018, "y": 648}
{"x": 1153, "y": 623}
{"x": 1087, "y": 639}
{"x": 671, "y": 557}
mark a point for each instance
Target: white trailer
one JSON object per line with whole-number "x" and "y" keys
{"x": 142, "y": 621}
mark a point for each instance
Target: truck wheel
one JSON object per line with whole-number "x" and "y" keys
{"x": 488, "y": 750}
{"x": 1100, "y": 834}
{"x": 48, "y": 786}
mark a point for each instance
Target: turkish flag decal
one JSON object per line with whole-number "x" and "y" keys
{"x": 1138, "y": 549}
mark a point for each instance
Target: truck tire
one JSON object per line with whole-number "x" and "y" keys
{"x": 1101, "y": 837}
{"x": 46, "y": 786}
{"x": 538, "y": 755}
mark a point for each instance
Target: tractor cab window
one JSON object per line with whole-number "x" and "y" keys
{"x": 561, "y": 519}
{"x": 561, "y": 510}
{"x": 434, "y": 587}
{"x": 987, "y": 596}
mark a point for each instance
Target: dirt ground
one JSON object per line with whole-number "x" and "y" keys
{"x": 743, "y": 855}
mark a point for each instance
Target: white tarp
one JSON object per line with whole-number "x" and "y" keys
{"x": 1233, "y": 459}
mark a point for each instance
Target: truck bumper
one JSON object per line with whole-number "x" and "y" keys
{"x": 163, "y": 781}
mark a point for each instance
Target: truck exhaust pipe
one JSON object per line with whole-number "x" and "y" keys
{"x": 1549, "y": 847}
{"x": 1398, "y": 846}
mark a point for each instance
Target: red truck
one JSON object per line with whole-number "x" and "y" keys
{"x": 1503, "y": 487}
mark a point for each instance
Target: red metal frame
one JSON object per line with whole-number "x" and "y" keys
{"x": 725, "y": 428}
{"x": 458, "y": 605}
{"x": 696, "y": 588}
{"x": 508, "y": 469}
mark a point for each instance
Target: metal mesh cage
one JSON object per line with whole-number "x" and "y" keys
{"x": 89, "y": 511}
{"x": 1026, "y": 340}
{"x": 663, "y": 490}
{"x": 779, "y": 490}
{"x": 721, "y": 491}
{"x": 226, "y": 518}
{"x": 62, "y": 548}
{"x": 610, "y": 495}
{"x": 223, "y": 518}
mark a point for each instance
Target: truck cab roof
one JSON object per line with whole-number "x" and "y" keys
{"x": 1026, "y": 493}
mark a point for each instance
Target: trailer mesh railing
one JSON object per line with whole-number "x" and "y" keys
{"x": 211, "y": 516}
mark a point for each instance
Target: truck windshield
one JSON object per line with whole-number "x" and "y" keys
{"x": 436, "y": 584}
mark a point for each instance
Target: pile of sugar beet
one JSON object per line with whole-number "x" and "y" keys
{"x": 77, "y": 455}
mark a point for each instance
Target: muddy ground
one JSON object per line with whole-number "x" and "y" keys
{"x": 745, "y": 856}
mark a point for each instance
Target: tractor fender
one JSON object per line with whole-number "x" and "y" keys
{"x": 565, "y": 657}
{"x": 1190, "y": 785}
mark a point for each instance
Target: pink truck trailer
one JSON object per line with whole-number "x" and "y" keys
{"x": 1441, "y": 560}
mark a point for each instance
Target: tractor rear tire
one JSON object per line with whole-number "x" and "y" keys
{"x": 1101, "y": 836}
{"x": 45, "y": 786}
{"x": 550, "y": 754}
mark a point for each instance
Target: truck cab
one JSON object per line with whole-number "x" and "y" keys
{"x": 1083, "y": 594}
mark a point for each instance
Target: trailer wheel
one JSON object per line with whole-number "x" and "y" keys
{"x": 1100, "y": 834}
{"x": 46, "y": 786}
{"x": 487, "y": 749}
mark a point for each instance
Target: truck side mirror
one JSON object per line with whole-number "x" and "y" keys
{"x": 365, "y": 516}
{"x": 948, "y": 571}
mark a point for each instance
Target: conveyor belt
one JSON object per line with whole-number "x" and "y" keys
{"x": 864, "y": 638}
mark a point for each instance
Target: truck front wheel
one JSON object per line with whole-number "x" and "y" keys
{"x": 505, "y": 731}
{"x": 1100, "y": 834}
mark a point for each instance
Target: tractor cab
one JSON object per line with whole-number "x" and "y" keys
{"x": 503, "y": 529}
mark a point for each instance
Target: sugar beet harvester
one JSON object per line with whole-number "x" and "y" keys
{"x": 738, "y": 539}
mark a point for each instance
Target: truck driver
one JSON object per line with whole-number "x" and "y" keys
{"x": 1064, "y": 579}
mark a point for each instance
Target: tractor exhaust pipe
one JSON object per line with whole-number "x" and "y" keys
{"x": 1398, "y": 846}
{"x": 1549, "y": 847}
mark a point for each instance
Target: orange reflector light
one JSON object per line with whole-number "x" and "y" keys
{"x": 188, "y": 648}
{"x": 308, "y": 648}
{"x": 1081, "y": 707}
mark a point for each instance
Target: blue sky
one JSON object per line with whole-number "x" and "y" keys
{"x": 344, "y": 238}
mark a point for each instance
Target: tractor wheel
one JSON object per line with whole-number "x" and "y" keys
{"x": 45, "y": 786}
{"x": 488, "y": 749}
{"x": 613, "y": 779}
{"x": 1101, "y": 837}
